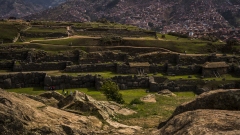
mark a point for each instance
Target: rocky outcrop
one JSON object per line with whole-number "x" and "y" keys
{"x": 218, "y": 99}
{"x": 214, "y": 112}
{"x": 203, "y": 122}
{"x": 166, "y": 93}
{"x": 81, "y": 103}
{"x": 22, "y": 115}
{"x": 48, "y": 98}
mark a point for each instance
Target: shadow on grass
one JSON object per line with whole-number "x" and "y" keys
{"x": 92, "y": 89}
{"x": 38, "y": 89}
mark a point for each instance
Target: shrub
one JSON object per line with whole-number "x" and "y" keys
{"x": 111, "y": 91}
{"x": 136, "y": 101}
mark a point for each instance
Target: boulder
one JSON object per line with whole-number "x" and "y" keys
{"x": 213, "y": 112}
{"x": 167, "y": 93}
{"x": 203, "y": 122}
{"x": 81, "y": 103}
{"x": 149, "y": 98}
{"x": 52, "y": 94}
{"x": 22, "y": 115}
{"x": 7, "y": 83}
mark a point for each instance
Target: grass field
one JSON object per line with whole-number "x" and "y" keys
{"x": 176, "y": 46}
{"x": 46, "y": 30}
{"x": 149, "y": 115}
{"x": 71, "y": 42}
{"x": 9, "y": 31}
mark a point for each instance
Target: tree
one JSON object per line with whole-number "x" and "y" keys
{"x": 111, "y": 91}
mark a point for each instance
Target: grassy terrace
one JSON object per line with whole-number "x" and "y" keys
{"x": 10, "y": 30}
{"x": 70, "y": 42}
{"x": 106, "y": 25}
{"x": 148, "y": 114}
{"x": 181, "y": 45}
{"x": 46, "y": 30}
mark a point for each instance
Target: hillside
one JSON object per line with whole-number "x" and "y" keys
{"x": 151, "y": 14}
{"x": 20, "y": 8}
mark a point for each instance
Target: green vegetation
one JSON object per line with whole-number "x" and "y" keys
{"x": 136, "y": 101}
{"x": 111, "y": 91}
{"x": 10, "y": 30}
{"x": 148, "y": 114}
{"x": 46, "y": 30}
{"x": 81, "y": 41}
{"x": 31, "y": 90}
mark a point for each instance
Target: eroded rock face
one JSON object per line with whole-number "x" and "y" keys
{"x": 81, "y": 103}
{"x": 218, "y": 99}
{"x": 22, "y": 115}
{"x": 214, "y": 112}
{"x": 203, "y": 122}
{"x": 50, "y": 98}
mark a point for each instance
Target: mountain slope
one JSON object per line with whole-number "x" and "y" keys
{"x": 20, "y": 8}
{"x": 148, "y": 14}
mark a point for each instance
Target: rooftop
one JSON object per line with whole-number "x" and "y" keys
{"x": 139, "y": 64}
{"x": 215, "y": 65}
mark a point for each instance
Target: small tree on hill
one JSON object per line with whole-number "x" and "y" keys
{"x": 111, "y": 91}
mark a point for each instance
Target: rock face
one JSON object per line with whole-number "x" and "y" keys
{"x": 48, "y": 98}
{"x": 214, "y": 112}
{"x": 22, "y": 115}
{"x": 219, "y": 100}
{"x": 203, "y": 122}
{"x": 81, "y": 103}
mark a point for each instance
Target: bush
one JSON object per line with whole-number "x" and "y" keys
{"x": 136, "y": 101}
{"x": 111, "y": 91}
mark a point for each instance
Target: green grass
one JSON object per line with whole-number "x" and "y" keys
{"x": 150, "y": 114}
{"x": 52, "y": 48}
{"x": 185, "y": 77}
{"x": 46, "y": 30}
{"x": 173, "y": 45}
{"x": 31, "y": 90}
{"x": 176, "y": 46}
{"x": 228, "y": 77}
{"x": 71, "y": 42}
{"x": 9, "y": 31}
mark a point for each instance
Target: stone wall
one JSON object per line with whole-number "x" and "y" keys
{"x": 44, "y": 66}
{"x": 22, "y": 80}
{"x": 6, "y": 64}
{"x": 189, "y": 60}
{"x": 130, "y": 82}
{"x": 161, "y": 68}
{"x": 184, "y": 70}
{"x": 101, "y": 67}
{"x": 122, "y": 68}
{"x": 13, "y": 54}
{"x": 66, "y": 81}
{"x": 159, "y": 58}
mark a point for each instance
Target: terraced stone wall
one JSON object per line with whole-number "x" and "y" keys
{"x": 22, "y": 80}
{"x": 101, "y": 67}
{"x": 44, "y": 66}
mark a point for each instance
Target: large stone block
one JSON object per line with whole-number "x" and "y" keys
{"x": 7, "y": 83}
